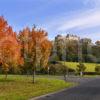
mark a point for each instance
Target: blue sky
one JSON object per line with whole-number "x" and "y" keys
{"x": 80, "y": 17}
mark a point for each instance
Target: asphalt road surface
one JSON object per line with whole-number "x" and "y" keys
{"x": 89, "y": 90}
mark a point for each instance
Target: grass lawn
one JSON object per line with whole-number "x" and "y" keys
{"x": 90, "y": 67}
{"x": 18, "y": 87}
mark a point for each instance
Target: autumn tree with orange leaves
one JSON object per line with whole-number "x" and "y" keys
{"x": 36, "y": 47}
{"x": 31, "y": 46}
{"x": 10, "y": 55}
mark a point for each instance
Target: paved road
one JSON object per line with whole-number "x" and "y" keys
{"x": 89, "y": 90}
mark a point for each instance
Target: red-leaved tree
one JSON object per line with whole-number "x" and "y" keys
{"x": 10, "y": 55}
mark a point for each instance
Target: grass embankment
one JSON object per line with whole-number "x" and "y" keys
{"x": 21, "y": 87}
{"x": 90, "y": 67}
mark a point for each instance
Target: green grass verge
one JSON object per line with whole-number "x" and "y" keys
{"x": 21, "y": 87}
{"x": 90, "y": 67}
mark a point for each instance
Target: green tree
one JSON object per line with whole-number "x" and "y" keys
{"x": 81, "y": 68}
{"x": 64, "y": 70}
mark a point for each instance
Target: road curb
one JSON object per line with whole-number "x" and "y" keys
{"x": 53, "y": 93}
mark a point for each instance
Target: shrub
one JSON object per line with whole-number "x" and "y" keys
{"x": 97, "y": 68}
{"x": 81, "y": 68}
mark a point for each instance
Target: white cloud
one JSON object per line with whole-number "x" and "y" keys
{"x": 87, "y": 20}
{"x": 79, "y": 21}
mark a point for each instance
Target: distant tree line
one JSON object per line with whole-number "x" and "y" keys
{"x": 83, "y": 50}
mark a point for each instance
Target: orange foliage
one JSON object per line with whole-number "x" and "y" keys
{"x": 36, "y": 43}
{"x": 33, "y": 44}
{"x": 9, "y": 46}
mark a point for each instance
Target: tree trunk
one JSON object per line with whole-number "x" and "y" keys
{"x": 81, "y": 74}
{"x": 33, "y": 76}
{"x": 67, "y": 72}
{"x": 48, "y": 71}
{"x": 27, "y": 73}
{"x": 6, "y": 75}
{"x": 65, "y": 77}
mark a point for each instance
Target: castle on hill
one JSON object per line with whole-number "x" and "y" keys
{"x": 68, "y": 37}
